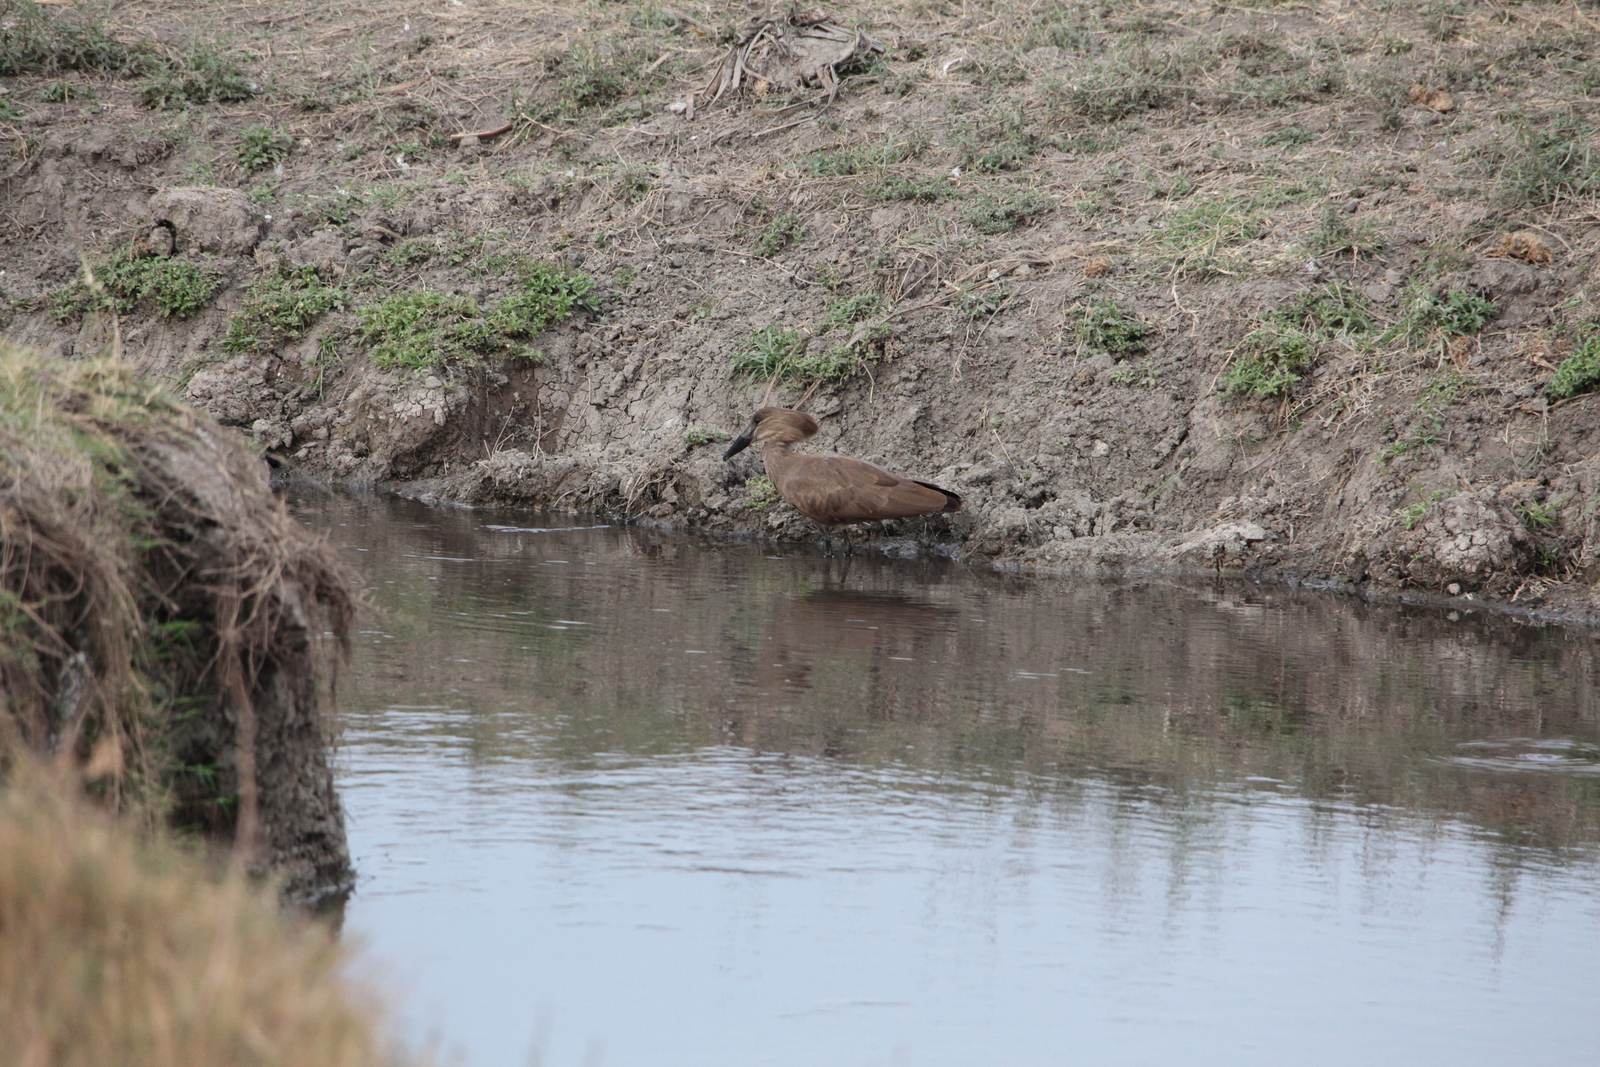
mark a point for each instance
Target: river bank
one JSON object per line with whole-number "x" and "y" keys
{"x": 1299, "y": 293}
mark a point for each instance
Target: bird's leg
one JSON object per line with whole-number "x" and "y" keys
{"x": 827, "y": 544}
{"x": 849, "y": 545}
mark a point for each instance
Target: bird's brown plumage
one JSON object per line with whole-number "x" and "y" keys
{"x": 833, "y": 490}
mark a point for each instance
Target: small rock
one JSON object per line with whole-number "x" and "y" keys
{"x": 209, "y": 219}
{"x": 1454, "y": 589}
{"x": 1101, "y": 449}
{"x": 160, "y": 241}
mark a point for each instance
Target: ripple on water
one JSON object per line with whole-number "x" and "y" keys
{"x": 1529, "y": 754}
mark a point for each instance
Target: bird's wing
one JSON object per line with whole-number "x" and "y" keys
{"x": 838, "y": 489}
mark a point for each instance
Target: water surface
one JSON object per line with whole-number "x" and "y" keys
{"x": 627, "y": 798}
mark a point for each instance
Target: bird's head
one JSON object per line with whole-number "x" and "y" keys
{"x": 773, "y": 424}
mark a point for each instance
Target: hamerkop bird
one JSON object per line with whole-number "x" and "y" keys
{"x": 834, "y": 490}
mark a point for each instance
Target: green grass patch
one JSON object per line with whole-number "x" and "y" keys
{"x": 41, "y": 40}
{"x": 784, "y": 230}
{"x": 844, "y": 162}
{"x": 991, "y": 213}
{"x": 422, "y": 328}
{"x": 1458, "y": 312}
{"x": 762, "y": 493}
{"x": 51, "y": 40}
{"x": 123, "y": 283}
{"x": 974, "y": 304}
{"x": 588, "y": 79}
{"x": 1116, "y": 85}
{"x": 1289, "y": 137}
{"x": 1551, "y": 161}
{"x": 202, "y": 74}
{"x": 1579, "y": 372}
{"x": 1332, "y": 310}
{"x": 914, "y": 188}
{"x": 280, "y": 307}
{"x": 263, "y": 146}
{"x": 1268, "y": 362}
{"x": 1105, "y": 327}
{"x": 1201, "y": 236}
{"x": 1336, "y": 233}
{"x": 1005, "y": 140}
{"x": 699, "y": 436}
{"x": 775, "y": 352}
{"x": 546, "y": 294}
{"x": 632, "y": 184}
{"x": 1139, "y": 374}
{"x": 766, "y": 352}
{"x": 854, "y": 309}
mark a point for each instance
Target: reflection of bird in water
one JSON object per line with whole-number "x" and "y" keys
{"x": 833, "y": 490}
{"x": 838, "y": 627}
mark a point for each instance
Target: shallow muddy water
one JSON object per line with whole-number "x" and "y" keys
{"x": 626, "y": 798}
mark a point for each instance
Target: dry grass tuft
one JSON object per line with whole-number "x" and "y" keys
{"x": 152, "y": 591}
{"x": 120, "y": 949}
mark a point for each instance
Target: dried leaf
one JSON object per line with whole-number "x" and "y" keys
{"x": 1431, "y": 98}
{"x": 1524, "y": 245}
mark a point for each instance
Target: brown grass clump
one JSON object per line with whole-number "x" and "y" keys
{"x": 117, "y": 948}
{"x": 159, "y": 609}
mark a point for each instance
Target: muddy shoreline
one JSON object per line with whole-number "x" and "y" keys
{"x": 1288, "y": 319}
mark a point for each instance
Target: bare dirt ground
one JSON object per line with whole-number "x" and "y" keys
{"x": 1299, "y": 290}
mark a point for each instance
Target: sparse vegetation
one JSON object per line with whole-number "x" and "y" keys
{"x": 784, "y": 230}
{"x": 1458, "y": 312}
{"x": 854, "y": 309}
{"x": 1580, "y": 371}
{"x": 786, "y": 354}
{"x": 632, "y": 183}
{"x": 981, "y": 302}
{"x": 1551, "y": 159}
{"x": 1336, "y": 235}
{"x": 1104, "y": 327}
{"x": 760, "y": 492}
{"x": 922, "y": 190}
{"x": 279, "y": 308}
{"x": 1331, "y": 310}
{"x": 174, "y": 288}
{"x": 263, "y": 146}
{"x": 202, "y": 74}
{"x": 700, "y": 436}
{"x": 991, "y": 213}
{"x": 847, "y": 161}
{"x": 1268, "y": 362}
{"x": 422, "y": 327}
{"x": 38, "y": 40}
{"x": 1202, "y": 236}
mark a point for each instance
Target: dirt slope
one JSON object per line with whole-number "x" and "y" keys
{"x": 1274, "y": 288}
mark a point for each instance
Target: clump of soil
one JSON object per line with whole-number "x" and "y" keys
{"x": 1301, "y": 291}
{"x": 162, "y": 617}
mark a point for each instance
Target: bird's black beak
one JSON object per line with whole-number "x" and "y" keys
{"x": 740, "y": 443}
